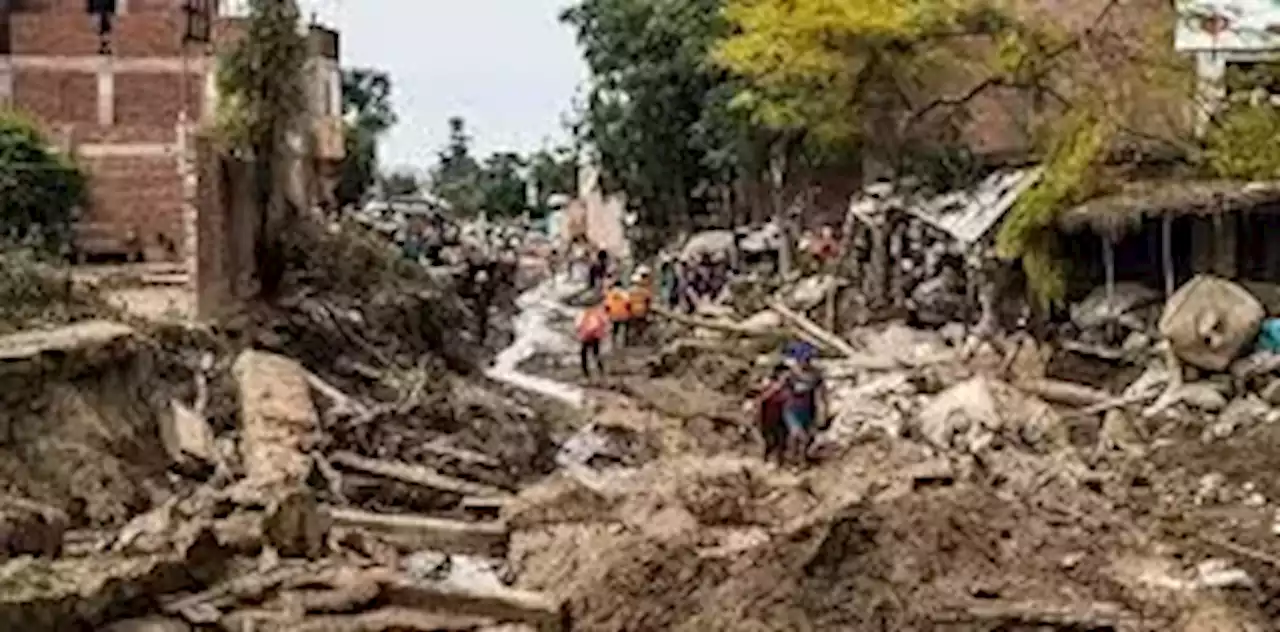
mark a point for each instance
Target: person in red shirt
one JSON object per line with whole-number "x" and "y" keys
{"x": 825, "y": 248}
{"x": 770, "y": 402}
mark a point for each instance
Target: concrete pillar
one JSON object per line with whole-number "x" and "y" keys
{"x": 1211, "y": 87}
{"x": 106, "y": 91}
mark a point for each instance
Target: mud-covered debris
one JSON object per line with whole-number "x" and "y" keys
{"x": 30, "y": 528}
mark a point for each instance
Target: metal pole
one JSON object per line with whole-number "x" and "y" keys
{"x": 1166, "y": 252}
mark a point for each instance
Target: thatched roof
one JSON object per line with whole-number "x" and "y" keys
{"x": 1124, "y": 210}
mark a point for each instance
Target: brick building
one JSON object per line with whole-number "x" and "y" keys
{"x": 121, "y": 113}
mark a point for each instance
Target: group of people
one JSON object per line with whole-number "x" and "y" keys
{"x": 791, "y": 402}
{"x": 615, "y": 309}
{"x": 791, "y": 405}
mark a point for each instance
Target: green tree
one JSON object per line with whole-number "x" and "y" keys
{"x": 456, "y": 178}
{"x": 366, "y": 106}
{"x": 503, "y": 185}
{"x": 40, "y": 189}
{"x": 654, "y": 107}
{"x": 265, "y": 95}
{"x": 552, "y": 171}
{"x": 401, "y": 183}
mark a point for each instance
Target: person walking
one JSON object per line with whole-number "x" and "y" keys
{"x": 591, "y": 326}
{"x": 805, "y": 404}
{"x": 641, "y": 299}
{"x": 617, "y": 303}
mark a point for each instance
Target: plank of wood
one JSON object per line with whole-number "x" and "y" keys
{"x": 799, "y": 321}
{"x": 497, "y": 602}
{"x": 417, "y": 532}
{"x": 413, "y": 474}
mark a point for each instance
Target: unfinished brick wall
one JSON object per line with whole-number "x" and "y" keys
{"x": 142, "y": 195}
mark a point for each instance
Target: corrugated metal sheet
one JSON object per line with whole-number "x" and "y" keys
{"x": 968, "y": 215}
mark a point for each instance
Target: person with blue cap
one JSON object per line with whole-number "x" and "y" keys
{"x": 805, "y": 405}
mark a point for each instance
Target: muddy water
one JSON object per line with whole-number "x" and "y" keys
{"x": 537, "y": 309}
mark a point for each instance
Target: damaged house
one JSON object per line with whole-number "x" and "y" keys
{"x": 1154, "y": 222}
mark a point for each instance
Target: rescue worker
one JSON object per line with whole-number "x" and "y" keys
{"x": 770, "y": 401}
{"x": 804, "y": 406}
{"x": 592, "y": 325}
{"x": 641, "y": 299}
{"x": 598, "y": 273}
{"x": 617, "y": 304}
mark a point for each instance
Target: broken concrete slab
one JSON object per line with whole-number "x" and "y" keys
{"x": 278, "y": 416}
{"x": 188, "y": 438}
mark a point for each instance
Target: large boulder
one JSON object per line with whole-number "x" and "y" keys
{"x": 1209, "y": 321}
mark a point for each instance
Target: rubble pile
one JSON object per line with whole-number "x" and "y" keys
{"x": 331, "y": 461}
{"x": 962, "y": 482}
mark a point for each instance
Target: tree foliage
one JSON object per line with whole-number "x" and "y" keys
{"x": 265, "y": 93}
{"x": 456, "y": 178}
{"x": 656, "y": 111}
{"x": 368, "y": 114}
{"x": 40, "y": 189}
{"x": 503, "y": 185}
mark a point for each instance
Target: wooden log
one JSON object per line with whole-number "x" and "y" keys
{"x": 389, "y": 618}
{"x": 417, "y": 532}
{"x": 413, "y": 474}
{"x": 496, "y": 602}
{"x": 725, "y": 326}
{"x": 1063, "y": 392}
{"x": 809, "y": 327}
{"x": 1089, "y": 616}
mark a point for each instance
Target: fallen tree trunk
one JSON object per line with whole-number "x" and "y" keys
{"x": 414, "y": 532}
{"x": 414, "y": 474}
{"x": 1063, "y": 392}
{"x": 809, "y": 327}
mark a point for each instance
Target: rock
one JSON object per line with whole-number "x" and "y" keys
{"x": 1209, "y": 321}
{"x": 1118, "y": 430}
{"x": 149, "y": 624}
{"x": 296, "y": 526}
{"x": 187, "y": 437}
{"x": 1095, "y": 310}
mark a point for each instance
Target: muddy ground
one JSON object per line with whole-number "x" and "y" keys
{"x": 891, "y": 532}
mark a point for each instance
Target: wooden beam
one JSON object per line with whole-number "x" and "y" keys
{"x": 416, "y": 532}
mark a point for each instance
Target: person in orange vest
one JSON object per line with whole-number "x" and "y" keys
{"x": 592, "y": 325}
{"x": 617, "y": 303}
{"x": 641, "y": 300}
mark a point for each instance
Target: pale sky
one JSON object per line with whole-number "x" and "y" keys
{"x": 507, "y": 66}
